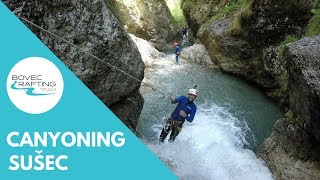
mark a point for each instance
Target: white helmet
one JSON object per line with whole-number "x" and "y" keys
{"x": 193, "y": 91}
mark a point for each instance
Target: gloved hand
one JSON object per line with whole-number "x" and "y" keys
{"x": 182, "y": 113}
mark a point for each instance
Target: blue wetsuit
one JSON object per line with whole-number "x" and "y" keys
{"x": 177, "y": 51}
{"x": 174, "y": 124}
{"x": 188, "y": 107}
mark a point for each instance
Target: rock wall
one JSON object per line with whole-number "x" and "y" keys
{"x": 270, "y": 20}
{"x": 150, "y": 20}
{"x": 199, "y": 12}
{"x": 91, "y": 26}
{"x": 148, "y": 52}
{"x": 293, "y": 149}
{"x": 238, "y": 56}
{"x": 247, "y": 44}
{"x": 251, "y": 53}
{"x": 303, "y": 59}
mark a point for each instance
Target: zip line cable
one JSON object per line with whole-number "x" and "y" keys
{"x": 95, "y": 57}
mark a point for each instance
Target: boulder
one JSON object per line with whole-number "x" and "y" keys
{"x": 303, "y": 59}
{"x": 198, "y": 53}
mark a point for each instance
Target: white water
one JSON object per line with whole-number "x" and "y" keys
{"x": 213, "y": 145}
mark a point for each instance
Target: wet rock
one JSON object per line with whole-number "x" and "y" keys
{"x": 198, "y": 53}
{"x": 148, "y": 52}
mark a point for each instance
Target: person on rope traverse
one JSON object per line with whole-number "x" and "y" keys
{"x": 177, "y": 50}
{"x": 185, "y": 110}
{"x": 184, "y": 32}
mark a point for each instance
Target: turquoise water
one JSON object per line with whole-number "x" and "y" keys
{"x": 232, "y": 120}
{"x": 245, "y": 102}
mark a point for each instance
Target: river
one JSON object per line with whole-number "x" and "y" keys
{"x": 232, "y": 120}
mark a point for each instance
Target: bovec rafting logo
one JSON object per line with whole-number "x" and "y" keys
{"x": 35, "y": 85}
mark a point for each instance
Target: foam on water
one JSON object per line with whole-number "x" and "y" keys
{"x": 211, "y": 147}
{"x": 214, "y": 145}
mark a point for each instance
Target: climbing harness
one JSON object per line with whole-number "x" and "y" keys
{"x": 93, "y": 56}
{"x": 174, "y": 126}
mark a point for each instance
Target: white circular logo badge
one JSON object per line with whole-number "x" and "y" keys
{"x": 35, "y": 85}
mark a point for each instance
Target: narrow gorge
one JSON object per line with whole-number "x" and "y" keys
{"x": 256, "y": 64}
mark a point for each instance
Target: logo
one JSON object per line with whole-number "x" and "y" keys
{"x": 35, "y": 85}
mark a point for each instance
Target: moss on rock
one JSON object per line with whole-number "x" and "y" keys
{"x": 150, "y": 20}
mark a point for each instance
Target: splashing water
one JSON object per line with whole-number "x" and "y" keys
{"x": 212, "y": 147}
{"x": 232, "y": 120}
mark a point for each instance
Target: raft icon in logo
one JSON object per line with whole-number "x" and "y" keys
{"x": 35, "y": 85}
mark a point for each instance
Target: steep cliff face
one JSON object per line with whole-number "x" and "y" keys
{"x": 150, "y": 20}
{"x": 230, "y": 54}
{"x": 198, "y": 12}
{"x": 270, "y": 20}
{"x": 293, "y": 149}
{"x": 238, "y": 56}
{"x": 250, "y": 51}
{"x": 303, "y": 59}
{"x": 247, "y": 44}
{"x": 91, "y": 26}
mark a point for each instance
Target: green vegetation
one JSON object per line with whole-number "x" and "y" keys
{"x": 287, "y": 39}
{"x": 114, "y": 8}
{"x": 227, "y": 9}
{"x": 174, "y": 6}
{"x": 111, "y": 4}
{"x": 236, "y": 9}
{"x": 314, "y": 24}
{"x": 312, "y": 29}
{"x": 245, "y": 11}
{"x": 231, "y": 7}
{"x": 235, "y": 29}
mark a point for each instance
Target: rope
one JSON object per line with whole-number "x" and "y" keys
{"x": 95, "y": 57}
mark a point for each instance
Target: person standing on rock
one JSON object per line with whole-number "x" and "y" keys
{"x": 185, "y": 110}
{"x": 184, "y": 32}
{"x": 177, "y": 50}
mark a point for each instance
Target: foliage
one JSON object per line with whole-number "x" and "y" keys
{"x": 245, "y": 10}
{"x": 287, "y": 39}
{"x": 314, "y": 24}
{"x": 312, "y": 29}
{"x": 174, "y": 6}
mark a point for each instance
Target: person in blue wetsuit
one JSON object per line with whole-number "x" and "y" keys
{"x": 185, "y": 110}
{"x": 177, "y": 51}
